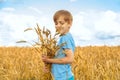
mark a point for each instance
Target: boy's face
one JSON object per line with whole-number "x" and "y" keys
{"x": 62, "y": 26}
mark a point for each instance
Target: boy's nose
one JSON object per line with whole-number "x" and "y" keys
{"x": 56, "y": 27}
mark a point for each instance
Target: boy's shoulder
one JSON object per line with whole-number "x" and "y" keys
{"x": 67, "y": 36}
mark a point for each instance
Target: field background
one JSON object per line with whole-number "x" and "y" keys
{"x": 90, "y": 63}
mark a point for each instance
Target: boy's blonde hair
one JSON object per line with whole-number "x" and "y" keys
{"x": 66, "y": 14}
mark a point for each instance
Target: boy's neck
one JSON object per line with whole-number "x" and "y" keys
{"x": 64, "y": 33}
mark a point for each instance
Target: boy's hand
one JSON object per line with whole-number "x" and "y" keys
{"x": 45, "y": 69}
{"x": 44, "y": 58}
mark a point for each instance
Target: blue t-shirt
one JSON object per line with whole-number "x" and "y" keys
{"x": 63, "y": 71}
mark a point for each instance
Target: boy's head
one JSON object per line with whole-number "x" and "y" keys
{"x": 66, "y": 14}
{"x": 63, "y": 21}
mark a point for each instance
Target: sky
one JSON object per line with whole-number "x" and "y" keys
{"x": 95, "y": 22}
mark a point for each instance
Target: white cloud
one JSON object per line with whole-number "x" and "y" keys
{"x": 88, "y": 24}
{"x": 108, "y": 23}
{"x": 79, "y": 27}
{"x": 8, "y": 9}
{"x": 14, "y": 24}
{"x": 35, "y": 9}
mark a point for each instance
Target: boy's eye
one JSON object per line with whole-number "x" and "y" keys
{"x": 61, "y": 23}
{"x": 56, "y": 23}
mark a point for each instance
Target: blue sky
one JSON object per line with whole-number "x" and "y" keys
{"x": 96, "y": 22}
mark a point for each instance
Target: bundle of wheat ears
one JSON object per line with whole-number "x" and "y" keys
{"x": 47, "y": 42}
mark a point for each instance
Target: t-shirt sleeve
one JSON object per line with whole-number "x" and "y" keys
{"x": 67, "y": 42}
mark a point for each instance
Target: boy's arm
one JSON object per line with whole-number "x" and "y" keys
{"x": 67, "y": 59}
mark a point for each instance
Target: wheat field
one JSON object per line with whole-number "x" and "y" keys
{"x": 90, "y": 63}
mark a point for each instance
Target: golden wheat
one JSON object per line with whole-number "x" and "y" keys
{"x": 90, "y": 63}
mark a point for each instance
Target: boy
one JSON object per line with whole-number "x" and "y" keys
{"x": 61, "y": 68}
